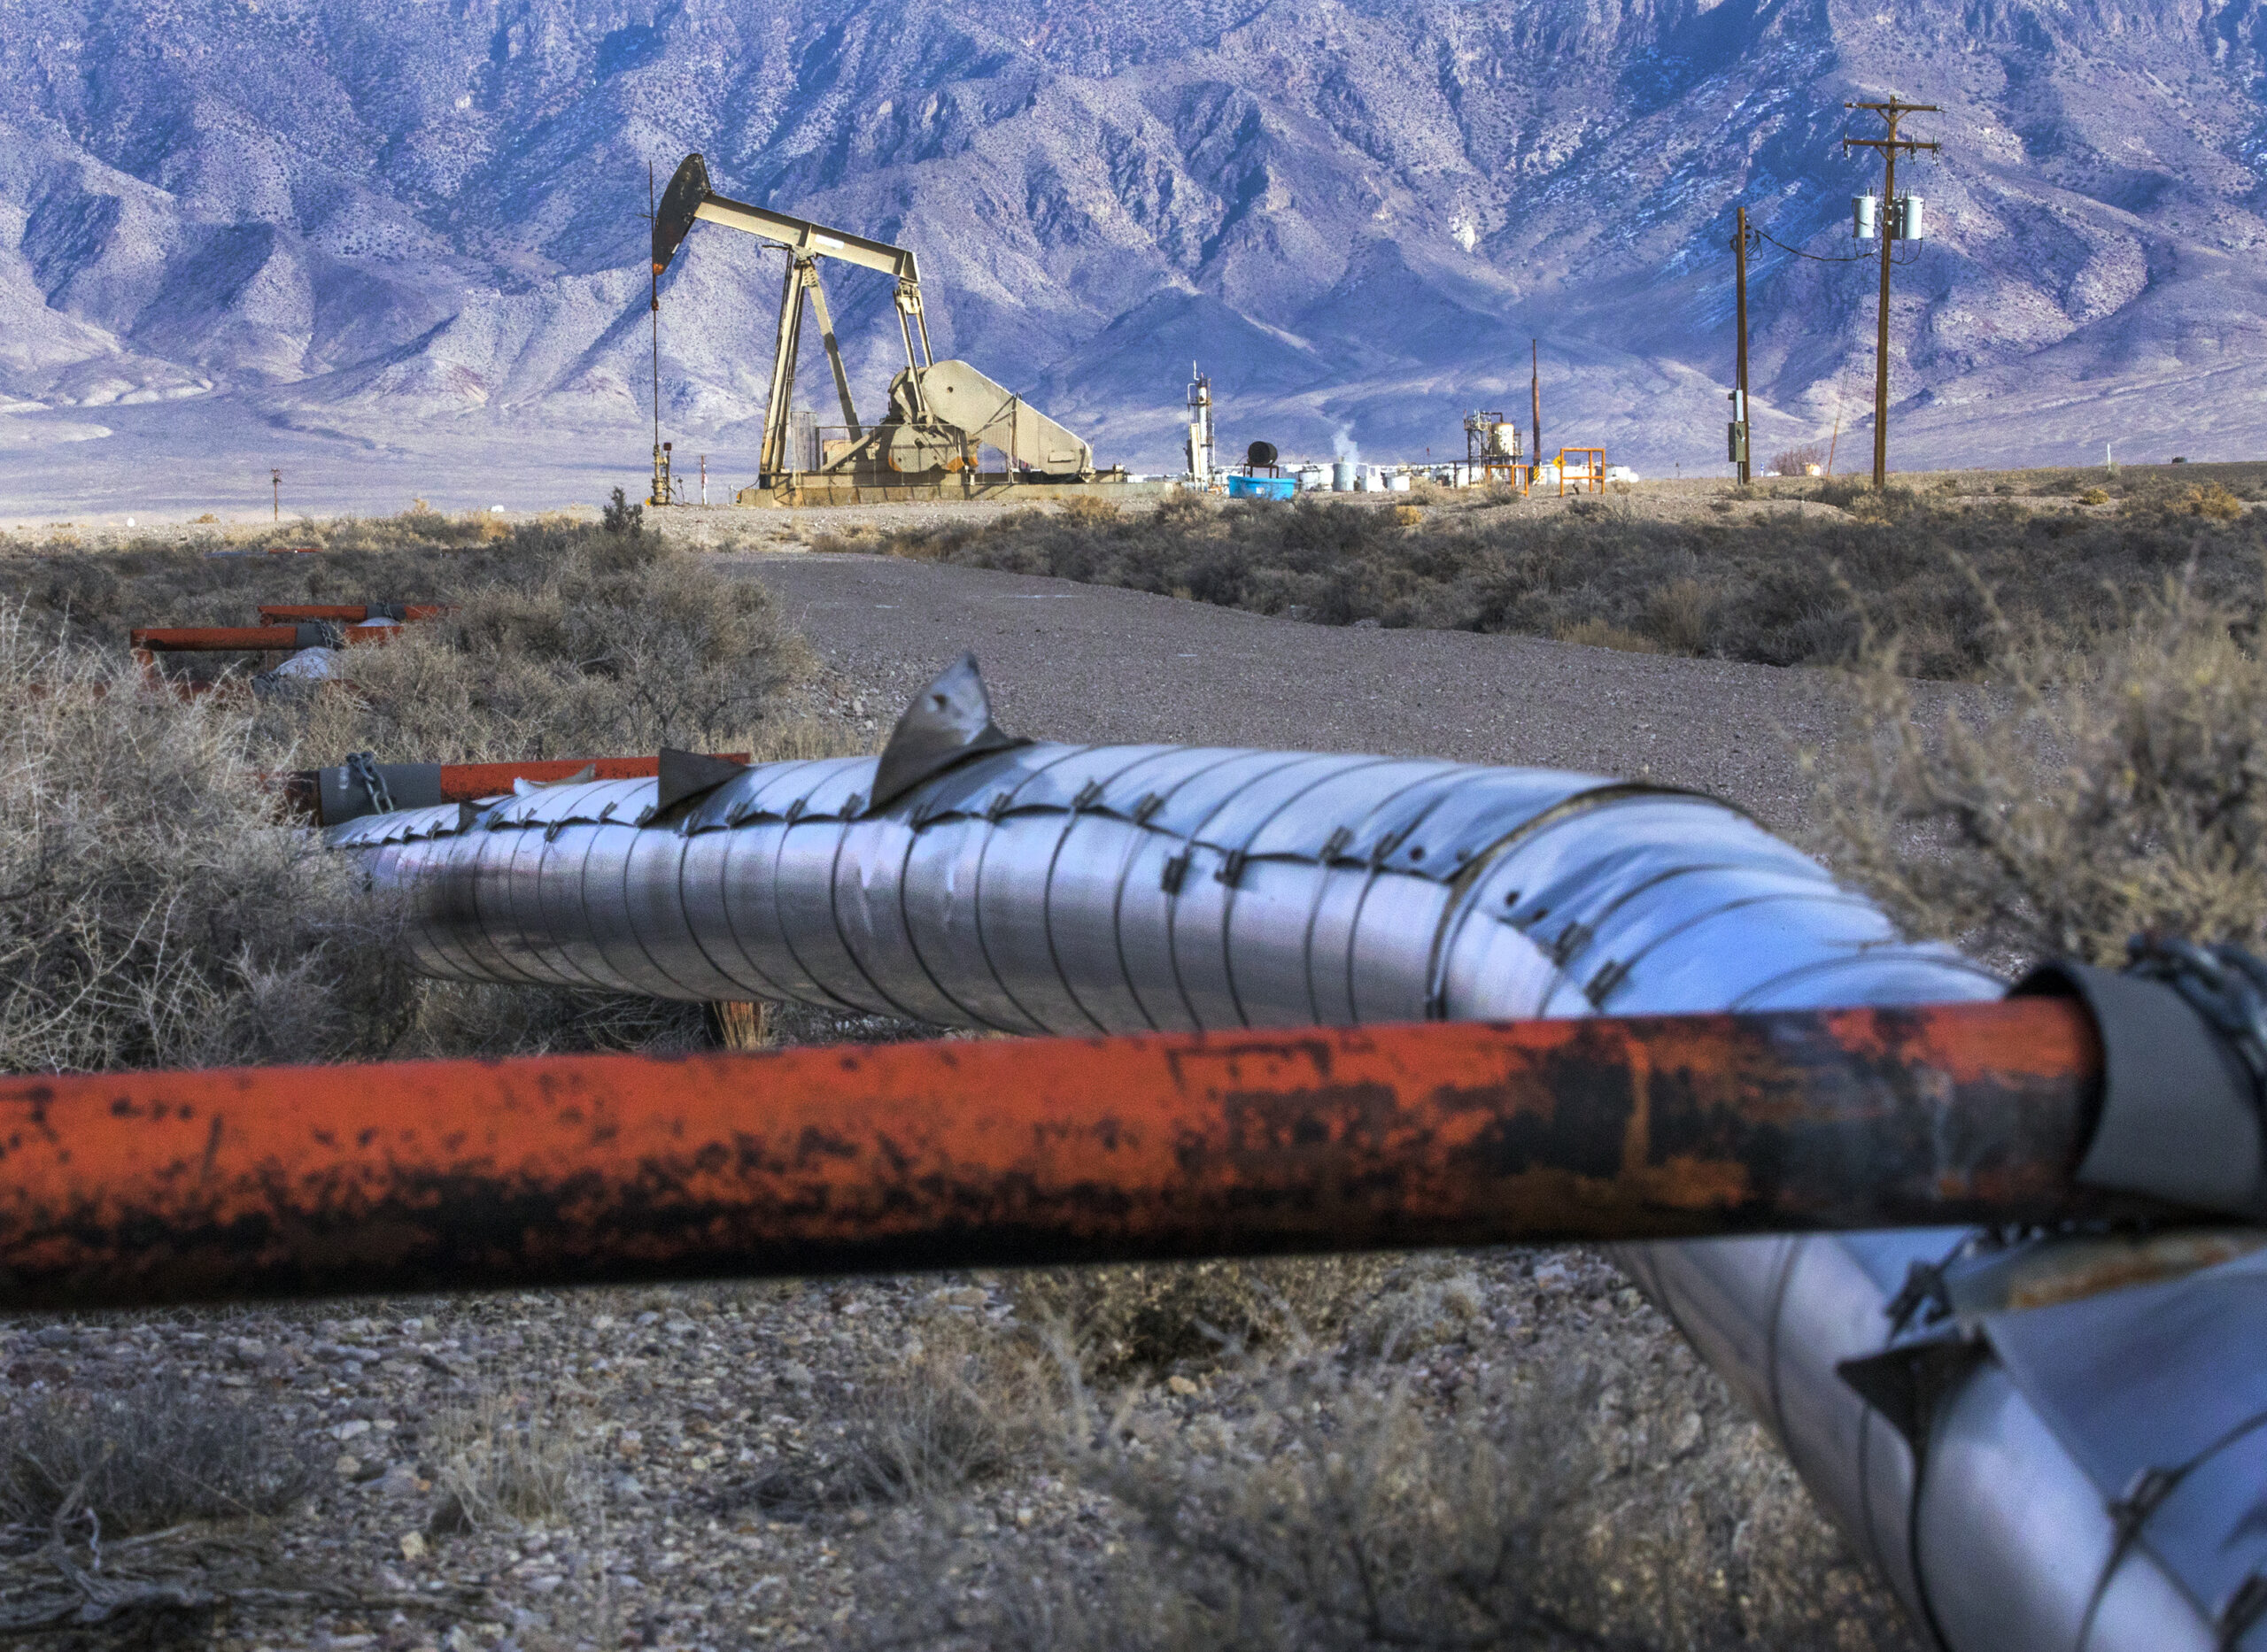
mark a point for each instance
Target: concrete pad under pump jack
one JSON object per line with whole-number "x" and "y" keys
{"x": 818, "y": 488}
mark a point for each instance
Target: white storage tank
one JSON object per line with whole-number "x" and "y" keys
{"x": 1341, "y": 476}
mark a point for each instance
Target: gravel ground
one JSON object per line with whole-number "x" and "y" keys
{"x": 1084, "y": 662}
{"x": 710, "y": 1461}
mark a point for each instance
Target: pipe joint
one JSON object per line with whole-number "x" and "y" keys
{"x": 2178, "y": 1116}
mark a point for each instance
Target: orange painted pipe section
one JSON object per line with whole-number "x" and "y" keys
{"x": 342, "y": 613}
{"x": 162, "y": 1187}
{"x": 463, "y": 783}
{"x": 237, "y": 638}
{"x": 467, "y": 783}
{"x": 216, "y": 638}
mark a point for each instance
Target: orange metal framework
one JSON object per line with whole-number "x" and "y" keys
{"x": 156, "y": 1187}
{"x": 1592, "y": 477}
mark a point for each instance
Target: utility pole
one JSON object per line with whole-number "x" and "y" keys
{"x": 1739, "y": 453}
{"x": 1892, "y": 229}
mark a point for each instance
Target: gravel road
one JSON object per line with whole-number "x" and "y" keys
{"x": 1087, "y": 662}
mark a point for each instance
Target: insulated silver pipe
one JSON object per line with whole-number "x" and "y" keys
{"x": 1993, "y": 1463}
{"x": 1122, "y": 889}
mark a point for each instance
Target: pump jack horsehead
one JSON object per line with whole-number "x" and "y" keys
{"x": 942, "y": 415}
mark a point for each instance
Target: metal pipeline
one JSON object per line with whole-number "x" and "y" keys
{"x": 357, "y": 787}
{"x": 2072, "y": 1477}
{"x": 349, "y": 612}
{"x": 252, "y": 639}
{"x": 134, "y": 1189}
{"x": 965, "y": 879}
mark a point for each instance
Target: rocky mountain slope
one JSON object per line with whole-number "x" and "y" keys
{"x": 356, "y": 227}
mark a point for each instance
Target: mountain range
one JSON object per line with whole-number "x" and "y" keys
{"x": 396, "y": 243}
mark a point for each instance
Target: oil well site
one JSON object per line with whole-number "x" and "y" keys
{"x": 909, "y": 1034}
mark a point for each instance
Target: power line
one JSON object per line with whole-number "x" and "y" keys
{"x": 1821, "y": 257}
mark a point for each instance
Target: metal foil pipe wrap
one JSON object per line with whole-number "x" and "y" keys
{"x": 1071, "y": 889}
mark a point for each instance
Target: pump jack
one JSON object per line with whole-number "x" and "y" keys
{"x": 941, "y": 413}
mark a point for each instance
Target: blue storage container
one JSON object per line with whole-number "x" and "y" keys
{"x": 1261, "y": 487}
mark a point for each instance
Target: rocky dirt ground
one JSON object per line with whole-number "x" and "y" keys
{"x": 802, "y": 1464}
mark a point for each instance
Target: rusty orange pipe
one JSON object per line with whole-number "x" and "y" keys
{"x": 247, "y": 638}
{"x": 462, "y": 783}
{"x": 162, "y": 1187}
{"x": 342, "y": 613}
{"x": 466, "y": 782}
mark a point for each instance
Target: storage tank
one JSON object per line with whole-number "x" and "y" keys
{"x": 1503, "y": 440}
{"x": 1341, "y": 476}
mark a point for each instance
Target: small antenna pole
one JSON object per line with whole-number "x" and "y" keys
{"x": 1841, "y": 384}
{"x": 1535, "y": 405}
{"x": 661, "y": 492}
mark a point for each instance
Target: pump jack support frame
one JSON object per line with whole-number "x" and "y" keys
{"x": 689, "y": 200}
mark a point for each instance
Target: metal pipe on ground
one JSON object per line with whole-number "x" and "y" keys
{"x": 343, "y": 792}
{"x": 146, "y": 1188}
{"x": 350, "y": 613}
{"x": 2029, "y": 1478}
{"x": 254, "y": 639}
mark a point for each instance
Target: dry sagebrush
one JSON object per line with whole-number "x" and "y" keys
{"x": 143, "y": 1458}
{"x": 586, "y": 644}
{"x": 1593, "y": 1491}
{"x": 154, "y": 911}
{"x": 1778, "y": 586}
{"x": 2085, "y": 797}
